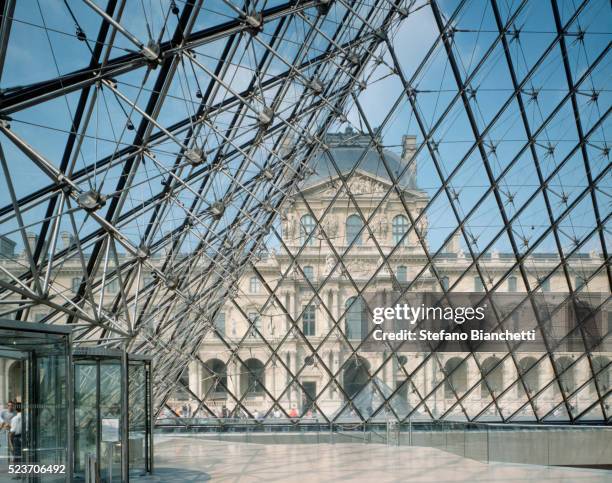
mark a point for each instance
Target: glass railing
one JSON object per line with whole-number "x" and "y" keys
{"x": 542, "y": 444}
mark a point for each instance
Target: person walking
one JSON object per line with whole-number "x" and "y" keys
{"x": 15, "y": 436}
{"x": 6, "y": 415}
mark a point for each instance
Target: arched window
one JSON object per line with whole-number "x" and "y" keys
{"x": 307, "y": 226}
{"x": 353, "y": 230}
{"x": 214, "y": 380}
{"x": 602, "y": 374}
{"x": 181, "y": 392}
{"x": 354, "y": 318}
{"x": 309, "y": 320}
{"x": 220, "y": 323}
{"x": 456, "y": 377}
{"x": 493, "y": 375}
{"x": 402, "y": 273}
{"x": 530, "y": 376}
{"x": 567, "y": 378}
{"x": 252, "y": 379}
{"x": 399, "y": 226}
{"x": 355, "y": 376}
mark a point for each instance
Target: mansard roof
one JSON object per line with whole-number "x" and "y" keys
{"x": 347, "y": 149}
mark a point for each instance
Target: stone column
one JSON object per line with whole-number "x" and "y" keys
{"x": 233, "y": 381}
{"x": 293, "y": 371}
{"x": 194, "y": 385}
{"x": 339, "y": 303}
{"x": 330, "y": 362}
{"x": 338, "y": 359}
{"x": 287, "y": 303}
{"x": 333, "y": 309}
{"x": 199, "y": 389}
{"x": 286, "y": 376}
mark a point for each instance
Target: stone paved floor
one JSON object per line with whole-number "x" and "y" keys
{"x": 188, "y": 459}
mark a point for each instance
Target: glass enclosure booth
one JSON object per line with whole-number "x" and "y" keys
{"x": 36, "y": 376}
{"x": 112, "y": 415}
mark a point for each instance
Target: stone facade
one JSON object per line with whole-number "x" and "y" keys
{"x": 276, "y": 285}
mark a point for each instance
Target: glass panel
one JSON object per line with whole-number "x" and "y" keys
{"x": 138, "y": 413}
{"x": 13, "y": 365}
{"x": 35, "y": 424}
{"x": 50, "y": 413}
{"x": 110, "y": 420}
{"x": 85, "y": 415}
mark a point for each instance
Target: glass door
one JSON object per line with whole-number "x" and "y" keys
{"x": 97, "y": 432}
{"x": 110, "y": 421}
{"x": 138, "y": 418}
{"x": 35, "y": 410}
{"x": 13, "y": 364}
{"x": 48, "y": 416}
{"x": 112, "y": 405}
{"x": 85, "y": 415}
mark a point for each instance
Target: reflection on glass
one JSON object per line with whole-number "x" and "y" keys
{"x": 35, "y": 365}
{"x": 98, "y": 417}
{"x": 110, "y": 420}
{"x": 85, "y": 415}
{"x": 138, "y": 415}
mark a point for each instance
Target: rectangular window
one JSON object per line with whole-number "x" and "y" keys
{"x": 580, "y": 282}
{"x": 545, "y": 285}
{"x": 309, "y": 273}
{"x": 309, "y": 320}
{"x": 76, "y": 282}
{"x": 254, "y": 285}
{"x": 478, "y": 285}
{"x": 402, "y": 274}
{"x": 220, "y": 323}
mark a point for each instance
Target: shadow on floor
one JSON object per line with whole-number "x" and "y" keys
{"x": 176, "y": 475}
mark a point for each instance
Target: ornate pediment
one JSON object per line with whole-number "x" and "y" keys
{"x": 359, "y": 184}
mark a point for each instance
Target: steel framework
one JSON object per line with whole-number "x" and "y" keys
{"x": 155, "y": 161}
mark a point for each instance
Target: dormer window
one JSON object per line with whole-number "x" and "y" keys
{"x": 354, "y": 224}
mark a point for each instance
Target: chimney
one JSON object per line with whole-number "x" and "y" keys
{"x": 7, "y": 247}
{"x": 32, "y": 240}
{"x": 454, "y": 244}
{"x": 408, "y": 153}
{"x": 66, "y": 239}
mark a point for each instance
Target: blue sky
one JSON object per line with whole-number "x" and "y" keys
{"x": 43, "y": 45}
